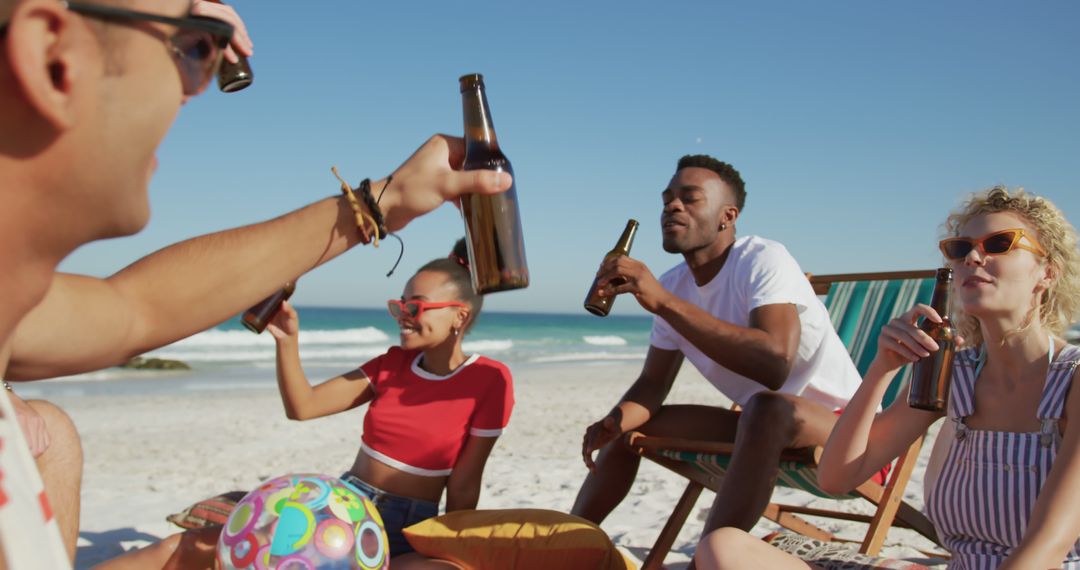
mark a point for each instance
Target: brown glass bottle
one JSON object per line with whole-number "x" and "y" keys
{"x": 492, "y": 223}
{"x": 932, "y": 375}
{"x": 257, "y": 317}
{"x": 594, "y": 303}
{"x": 235, "y": 76}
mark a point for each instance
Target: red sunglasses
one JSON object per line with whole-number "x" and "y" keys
{"x": 416, "y": 308}
{"x": 994, "y": 243}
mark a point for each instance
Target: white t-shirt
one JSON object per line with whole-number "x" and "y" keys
{"x": 761, "y": 272}
{"x": 29, "y": 534}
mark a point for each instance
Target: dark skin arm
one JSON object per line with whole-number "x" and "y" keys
{"x": 639, "y": 403}
{"x": 302, "y": 400}
{"x": 463, "y": 486}
{"x": 762, "y": 352}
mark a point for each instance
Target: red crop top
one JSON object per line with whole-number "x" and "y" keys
{"x": 418, "y": 422}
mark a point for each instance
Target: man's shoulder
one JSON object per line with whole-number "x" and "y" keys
{"x": 755, "y": 254}
{"x": 755, "y": 246}
{"x": 678, "y": 274}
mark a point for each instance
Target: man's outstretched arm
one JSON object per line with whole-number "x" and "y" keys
{"x": 86, "y": 323}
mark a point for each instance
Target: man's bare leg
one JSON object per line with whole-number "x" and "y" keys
{"x": 190, "y": 550}
{"x": 770, "y": 423}
{"x": 616, "y": 466}
{"x": 61, "y": 470}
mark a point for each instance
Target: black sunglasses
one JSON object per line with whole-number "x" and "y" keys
{"x": 197, "y": 47}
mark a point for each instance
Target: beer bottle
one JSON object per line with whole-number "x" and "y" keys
{"x": 932, "y": 374}
{"x": 256, "y": 318}
{"x": 594, "y": 303}
{"x": 492, "y": 223}
{"x": 235, "y": 76}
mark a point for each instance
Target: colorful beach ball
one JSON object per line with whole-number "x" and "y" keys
{"x": 307, "y": 522}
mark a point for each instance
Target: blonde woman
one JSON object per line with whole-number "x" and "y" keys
{"x": 1009, "y": 486}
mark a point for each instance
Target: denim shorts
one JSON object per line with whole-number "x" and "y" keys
{"x": 397, "y": 512}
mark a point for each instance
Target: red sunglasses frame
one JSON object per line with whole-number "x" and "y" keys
{"x": 402, "y": 307}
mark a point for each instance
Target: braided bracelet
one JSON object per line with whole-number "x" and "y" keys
{"x": 373, "y": 213}
{"x": 362, "y": 217}
{"x": 373, "y": 206}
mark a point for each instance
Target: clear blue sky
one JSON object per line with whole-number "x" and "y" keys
{"x": 856, "y": 125}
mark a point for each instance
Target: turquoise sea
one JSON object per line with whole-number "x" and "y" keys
{"x": 342, "y": 337}
{"x": 336, "y": 340}
{"x": 345, "y": 338}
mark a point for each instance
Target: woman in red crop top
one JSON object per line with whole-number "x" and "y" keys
{"x": 434, "y": 414}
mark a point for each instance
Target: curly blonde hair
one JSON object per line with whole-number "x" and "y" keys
{"x": 1060, "y": 303}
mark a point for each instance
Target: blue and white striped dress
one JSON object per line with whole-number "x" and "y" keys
{"x": 987, "y": 489}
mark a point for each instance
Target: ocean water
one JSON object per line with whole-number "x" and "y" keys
{"x": 345, "y": 338}
{"x": 336, "y": 340}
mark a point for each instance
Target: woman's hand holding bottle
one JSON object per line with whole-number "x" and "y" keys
{"x": 286, "y": 323}
{"x": 902, "y": 342}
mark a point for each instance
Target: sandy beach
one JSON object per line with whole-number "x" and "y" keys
{"x": 154, "y": 450}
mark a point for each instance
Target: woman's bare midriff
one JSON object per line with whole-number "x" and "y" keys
{"x": 392, "y": 480}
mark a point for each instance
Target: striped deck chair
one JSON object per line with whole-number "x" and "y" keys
{"x": 858, "y": 304}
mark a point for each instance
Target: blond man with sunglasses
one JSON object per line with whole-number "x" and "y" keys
{"x": 87, "y": 92}
{"x": 1007, "y": 492}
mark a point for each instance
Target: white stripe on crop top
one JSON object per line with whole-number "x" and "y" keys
{"x": 420, "y": 372}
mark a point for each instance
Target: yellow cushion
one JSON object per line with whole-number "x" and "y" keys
{"x": 519, "y": 539}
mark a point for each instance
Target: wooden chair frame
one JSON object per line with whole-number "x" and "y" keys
{"x": 891, "y": 509}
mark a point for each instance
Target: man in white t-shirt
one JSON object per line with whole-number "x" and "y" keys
{"x": 742, "y": 311}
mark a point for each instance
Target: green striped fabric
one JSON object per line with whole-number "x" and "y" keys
{"x": 792, "y": 474}
{"x": 858, "y": 310}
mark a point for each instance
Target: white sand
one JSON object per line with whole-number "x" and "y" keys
{"x": 148, "y": 456}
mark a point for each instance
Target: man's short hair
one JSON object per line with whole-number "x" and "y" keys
{"x": 6, "y": 8}
{"x": 725, "y": 171}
